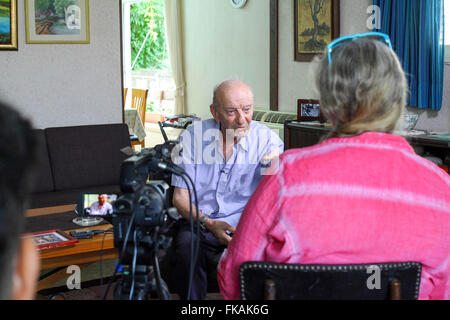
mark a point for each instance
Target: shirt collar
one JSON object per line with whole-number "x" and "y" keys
{"x": 388, "y": 139}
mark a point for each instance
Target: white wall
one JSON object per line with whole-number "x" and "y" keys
{"x": 221, "y": 42}
{"x": 67, "y": 84}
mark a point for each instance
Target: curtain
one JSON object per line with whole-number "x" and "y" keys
{"x": 172, "y": 12}
{"x": 416, "y": 29}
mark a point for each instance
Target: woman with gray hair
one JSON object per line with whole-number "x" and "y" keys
{"x": 362, "y": 86}
{"x": 362, "y": 195}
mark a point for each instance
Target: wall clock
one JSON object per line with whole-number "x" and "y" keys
{"x": 238, "y": 3}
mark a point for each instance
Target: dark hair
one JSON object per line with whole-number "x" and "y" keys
{"x": 18, "y": 156}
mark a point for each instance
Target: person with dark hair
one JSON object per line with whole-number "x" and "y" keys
{"x": 360, "y": 196}
{"x": 19, "y": 261}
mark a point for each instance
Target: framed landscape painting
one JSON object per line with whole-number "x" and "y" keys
{"x": 316, "y": 24}
{"x": 57, "y": 21}
{"x": 8, "y": 24}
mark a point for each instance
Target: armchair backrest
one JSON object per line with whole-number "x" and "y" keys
{"x": 377, "y": 281}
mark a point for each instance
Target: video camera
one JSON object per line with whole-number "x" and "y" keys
{"x": 142, "y": 215}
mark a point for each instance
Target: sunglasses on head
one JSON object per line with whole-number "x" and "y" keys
{"x": 371, "y": 35}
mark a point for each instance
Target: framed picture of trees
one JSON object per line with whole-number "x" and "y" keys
{"x": 57, "y": 21}
{"x": 316, "y": 24}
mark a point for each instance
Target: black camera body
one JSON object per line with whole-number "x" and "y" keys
{"x": 142, "y": 216}
{"x": 144, "y": 204}
{"x": 148, "y": 206}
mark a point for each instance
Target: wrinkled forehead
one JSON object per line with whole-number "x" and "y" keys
{"x": 235, "y": 95}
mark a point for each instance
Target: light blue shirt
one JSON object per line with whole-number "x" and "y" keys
{"x": 104, "y": 210}
{"x": 223, "y": 189}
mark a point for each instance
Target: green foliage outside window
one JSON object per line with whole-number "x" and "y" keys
{"x": 148, "y": 17}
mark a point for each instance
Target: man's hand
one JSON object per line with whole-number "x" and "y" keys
{"x": 219, "y": 229}
{"x": 271, "y": 156}
{"x": 270, "y": 163}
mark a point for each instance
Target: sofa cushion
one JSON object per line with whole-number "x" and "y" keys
{"x": 44, "y": 178}
{"x": 85, "y": 156}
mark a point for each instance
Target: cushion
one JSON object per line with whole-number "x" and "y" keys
{"x": 44, "y": 178}
{"x": 86, "y": 156}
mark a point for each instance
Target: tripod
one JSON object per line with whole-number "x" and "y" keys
{"x": 143, "y": 281}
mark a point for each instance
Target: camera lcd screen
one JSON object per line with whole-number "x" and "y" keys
{"x": 95, "y": 204}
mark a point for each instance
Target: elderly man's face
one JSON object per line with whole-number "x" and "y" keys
{"x": 235, "y": 110}
{"x": 102, "y": 199}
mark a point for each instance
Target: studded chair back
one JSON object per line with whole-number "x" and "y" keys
{"x": 377, "y": 281}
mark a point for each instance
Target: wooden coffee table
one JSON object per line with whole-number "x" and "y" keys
{"x": 82, "y": 254}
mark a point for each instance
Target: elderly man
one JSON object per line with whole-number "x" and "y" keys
{"x": 101, "y": 207}
{"x": 226, "y": 157}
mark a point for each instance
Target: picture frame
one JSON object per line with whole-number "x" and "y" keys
{"x": 51, "y": 239}
{"x": 309, "y": 110}
{"x": 316, "y": 24}
{"x": 57, "y": 21}
{"x": 8, "y": 25}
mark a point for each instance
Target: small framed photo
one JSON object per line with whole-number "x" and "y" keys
{"x": 309, "y": 110}
{"x": 57, "y": 21}
{"x": 8, "y": 25}
{"x": 51, "y": 239}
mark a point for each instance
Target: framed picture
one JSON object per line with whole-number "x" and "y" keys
{"x": 309, "y": 110}
{"x": 51, "y": 239}
{"x": 316, "y": 24}
{"x": 8, "y": 25}
{"x": 57, "y": 21}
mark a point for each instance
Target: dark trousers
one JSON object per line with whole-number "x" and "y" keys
{"x": 206, "y": 267}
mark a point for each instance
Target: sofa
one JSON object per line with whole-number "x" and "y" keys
{"x": 78, "y": 159}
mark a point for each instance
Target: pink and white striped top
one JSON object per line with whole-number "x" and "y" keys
{"x": 363, "y": 199}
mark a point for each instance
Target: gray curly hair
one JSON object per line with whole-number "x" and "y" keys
{"x": 363, "y": 89}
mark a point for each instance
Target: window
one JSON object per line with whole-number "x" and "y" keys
{"x": 447, "y": 30}
{"x": 145, "y": 53}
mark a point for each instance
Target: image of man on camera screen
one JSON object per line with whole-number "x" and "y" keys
{"x": 101, "y": 207}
